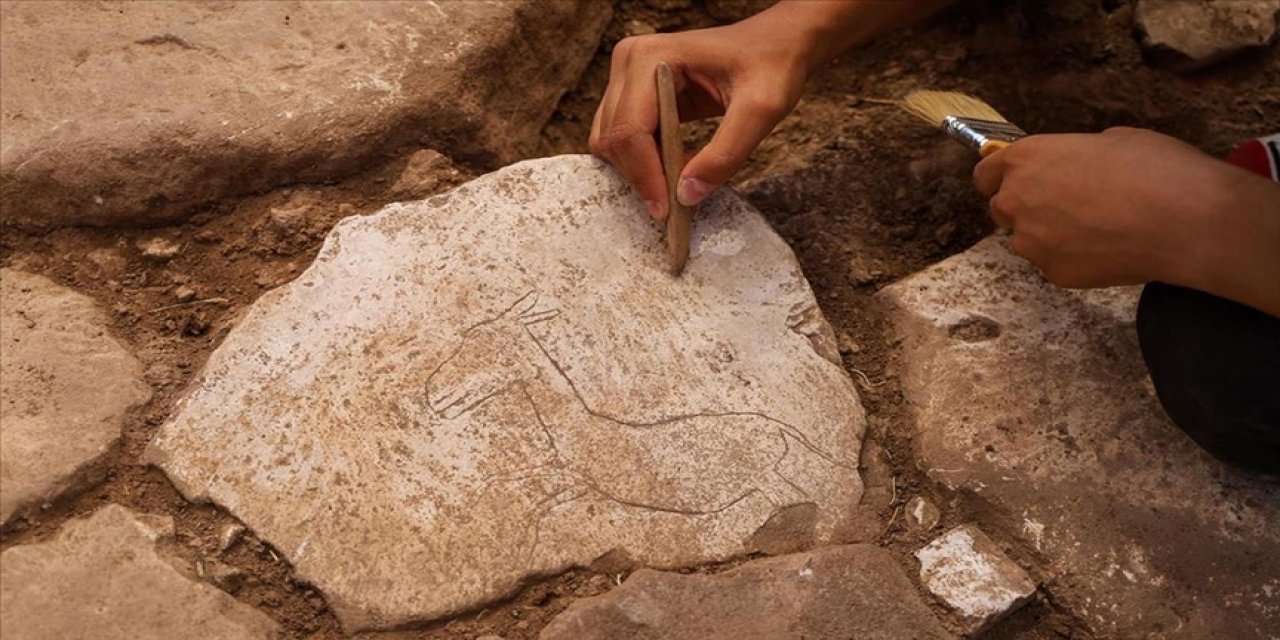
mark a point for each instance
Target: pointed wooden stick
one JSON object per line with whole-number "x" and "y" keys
{"x": 679, "y": 217}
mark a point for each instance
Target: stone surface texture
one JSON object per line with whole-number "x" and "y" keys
{"x": 1193, "y": 34}
{"x": 141, "y": 111}
{"x": 854, "y": 591}
{"x": 965, "y": 569}
{"x": 503, "y": 381}
{"x": 1036, "y": 400}
{"x": 105, "y": 578}
{"x": 65, "y": 385}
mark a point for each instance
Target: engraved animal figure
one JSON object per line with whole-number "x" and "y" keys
{"x": 691, "y": 464}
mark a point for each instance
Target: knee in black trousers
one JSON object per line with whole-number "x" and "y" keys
{"x": 1214, "y": 364}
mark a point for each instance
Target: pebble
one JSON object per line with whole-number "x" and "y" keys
{"x": 184, "y": 294}
{"x": 158, "y": 248}
{"x": 229, "y": 536}
{"x": 922, "y": 515}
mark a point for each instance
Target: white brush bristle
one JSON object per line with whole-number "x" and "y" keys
{"x": 934, "y": 106}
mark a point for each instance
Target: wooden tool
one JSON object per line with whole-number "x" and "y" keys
{"x": 679, "y": 217}
{"x": 965, "y": 118}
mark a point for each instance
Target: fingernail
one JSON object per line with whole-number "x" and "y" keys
{"x": 655, "y": 209}
{"x": 692, "y": 191}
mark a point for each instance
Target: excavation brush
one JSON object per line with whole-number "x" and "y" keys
{"x": 965, "y": 118}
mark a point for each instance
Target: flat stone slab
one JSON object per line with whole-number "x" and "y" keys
{"x": 65, "y": 385}
{"x": 854, "y": 591}
{"x": 104, "y": 577}
{"x": 1193, "y": 34}
{"x": 965, "y": 569}
{"x": 504, "y": 381}
{"x": 128, "y": 112}
{"x": 1036, "y": 399}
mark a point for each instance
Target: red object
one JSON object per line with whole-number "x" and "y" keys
{"x": 1259, "y": 155}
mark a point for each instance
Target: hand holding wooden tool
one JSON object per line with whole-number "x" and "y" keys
{"x": 679, "y": 217}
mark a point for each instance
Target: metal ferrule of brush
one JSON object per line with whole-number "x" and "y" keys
{"x": 975, "y": 133}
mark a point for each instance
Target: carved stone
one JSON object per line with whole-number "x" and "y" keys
{"x": 503, "y": 381}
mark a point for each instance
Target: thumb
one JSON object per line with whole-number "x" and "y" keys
{"x": 746, "y": 122}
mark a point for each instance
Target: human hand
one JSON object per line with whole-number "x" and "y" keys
{"x": 748, "y": 72}
{"x": 1122, "y": 207}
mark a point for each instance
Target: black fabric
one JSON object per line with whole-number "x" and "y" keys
{"x": 1216, "y": 368}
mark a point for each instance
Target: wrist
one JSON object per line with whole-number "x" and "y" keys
{"x": 1232, "y": 245}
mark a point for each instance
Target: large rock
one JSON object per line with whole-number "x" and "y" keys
{"x": 65, "y": 385}
{"x": 1036, "y": 400}
{"x": 105, "y": 578}
{"x": 855, "y": 591}
{"x": 141, "y": 111}
{"x": 1192, "y": 34}
{"x": 503, "y": 381}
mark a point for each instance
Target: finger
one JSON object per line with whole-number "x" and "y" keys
{"x": 626, "y": 139}
{"x": 989, "y": 174}
{"x": 746, "y": 122}
{"x": 1000, "y": 212}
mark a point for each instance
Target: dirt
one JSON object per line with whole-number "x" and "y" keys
{"x": 863, "y": 194}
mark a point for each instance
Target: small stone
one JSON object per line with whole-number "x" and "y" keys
{"x": 965, "y": 569}
{"x": 847, "y": 345}
{"x": 159, "y": 248}
{"x": 1186, "y": 35}
{"x": 638, "y": 28}
{"x": 421, "y": 175}
{"x": 945, "y": 233}
{"x": 206, "y": 236}
{"x": 104, "y": 577}
{"x": 922, "y": 515}
{"x": 184, "y": 294}
{"x": 850, "y": 591}
{"x": 864, "y": 270}
{"x": 346, "y": 209}
{"x": 229, "y": 535}
{"x": 290, "y": 219}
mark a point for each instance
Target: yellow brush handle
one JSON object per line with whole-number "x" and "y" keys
{"x": 992, "y": 146}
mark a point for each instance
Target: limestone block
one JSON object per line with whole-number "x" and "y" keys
{"x": 105, "y": 578}
{"x": 128, "y": 112}
{"x": 504, "y": 381}
{"x": 65, "y": 386}
{"x": 855, "y": 591}
{"x": 1036, "y": 400}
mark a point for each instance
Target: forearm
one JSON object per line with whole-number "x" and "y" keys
{"x": 824, "y": 28}
{"x": 1240, "y": 244}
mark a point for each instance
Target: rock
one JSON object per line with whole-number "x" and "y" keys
{"x": 966, "y": 570}
{"x": 735, "y": 10}
{"x": 1022, "y": 391}
{"x": 421, "y": 174}
{"x": 229, "y": 536}
{"x": 65, "y": 386}
{"x": 144, "y": 112}
{"x": 159, "y": 249}
{"x": 1187, "y": 35}
{"x": 854, "y": 591}
{"x": 922, "y": 515}
{"x": 103, "y": 577}
{"x": 184, "y": 293}
{"x": 638, "y": 28}
{"x": 506, "y": 373}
